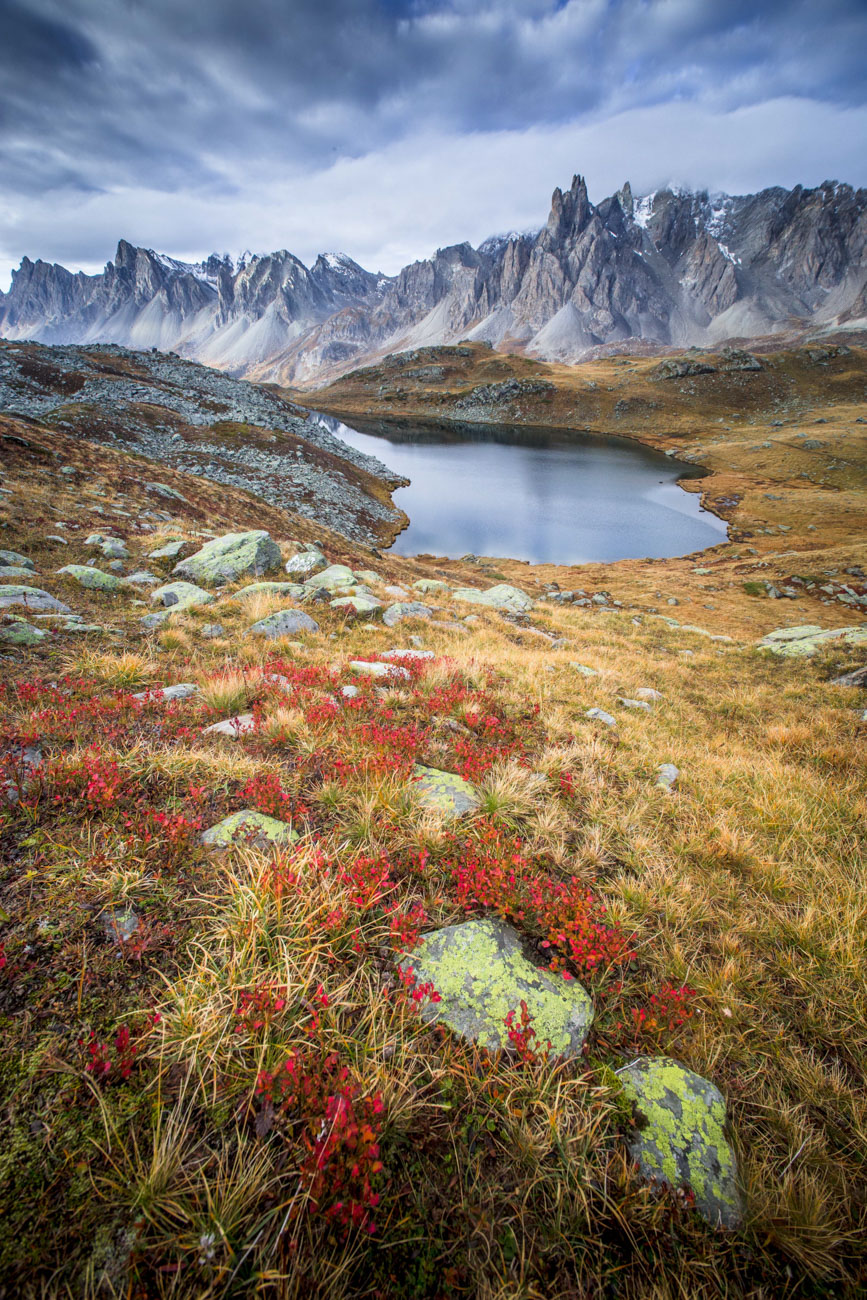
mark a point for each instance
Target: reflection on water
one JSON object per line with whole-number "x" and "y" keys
{"x": 535, "y": 494}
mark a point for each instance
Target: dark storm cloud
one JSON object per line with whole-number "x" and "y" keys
{"x": 217, "y": 98}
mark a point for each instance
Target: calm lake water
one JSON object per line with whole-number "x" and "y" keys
{"x": 534, "y": 494}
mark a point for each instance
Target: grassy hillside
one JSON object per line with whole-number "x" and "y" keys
{"x": 216, "y": 1082}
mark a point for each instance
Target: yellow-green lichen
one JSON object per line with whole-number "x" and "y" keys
{"x": 481, "y": 974}
{"x": 682, "y": 1140}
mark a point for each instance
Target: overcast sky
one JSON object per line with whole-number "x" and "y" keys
{"x": 387, "y": 128}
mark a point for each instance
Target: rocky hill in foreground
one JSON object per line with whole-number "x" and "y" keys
{"x": 669, "y": 269}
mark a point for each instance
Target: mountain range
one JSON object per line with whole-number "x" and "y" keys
{"x": 673, "y": 268}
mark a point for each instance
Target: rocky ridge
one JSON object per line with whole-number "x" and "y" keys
{"x": 204, "y": 423}
{"x": 671, "y": 268}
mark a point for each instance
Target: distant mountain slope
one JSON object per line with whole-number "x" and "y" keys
{"x": 673, "y": 268}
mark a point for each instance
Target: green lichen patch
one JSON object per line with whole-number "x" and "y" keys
{"x": 248, "y": 825}
{"x": 444, "y": 792}
{"x": 93, "y": 579}
{"x": 481, "y": 974}
{"x": 682, "y": 1141}
{"x": 503, "y": 596}
{"x": 230, "y": 557}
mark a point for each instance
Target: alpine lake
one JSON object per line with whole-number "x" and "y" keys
{"x": 540, "y": 495}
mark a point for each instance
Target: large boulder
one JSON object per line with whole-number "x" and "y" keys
{"x": 444, "y": 792}
{"x": 682, "y": 1140}
{"x": 805, "y": 641}
{"x": 10, "y": 571}
{"x": 284, "y": 622}
{"x": 93, "y": 579}
{"x": 233, "y": 556}
{"x": 481, "y": 974}
{"x": 503, "y": 597}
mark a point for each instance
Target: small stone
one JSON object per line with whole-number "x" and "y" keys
{"x": 389, "y": 672}
{"x": 248, "y": 826}
{"x": 292, "y": 590}
{"x": 306, "y": 563}
{"x": 10, "y": 571}
{"x": 17, "y": 766}
{"x": 120, "y": 923}
{"x": 583, "y": 669}
{"x": 142, "y": 579}
{"x": 350, "y": 692}
{"x": 444, "y": 792}
{"x": 283, "y": 622}
{"x": 405, "y": 610}
{"x": 357, "y": 605}
{"x": 180, "y": 691}
{"x": 667, "y": 776}
{"x": 397, "y": 593}
{"x": 93, "y": 579}
{"x": 400, "y": 653}
{"x": 367, "y": 576}
{"x": 16, "y": 560}
{"x": 331, "y": 579}
{"x": 648, "y": 693}
{"x": 21, "y": 633}
{"x": 210, "y": 631}
{"x": 170, "y": 551}
{"x": 503, "y": 597}
{"x": 232, "y": 727}
{"x": 633, "y": 704}
{"x": 599, "y": 715}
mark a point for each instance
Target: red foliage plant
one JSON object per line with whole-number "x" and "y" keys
{"x": 338, "y": 1130}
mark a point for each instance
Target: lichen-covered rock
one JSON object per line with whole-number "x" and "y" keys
{"x": 583, "y": 669}
{"x": 10, "y": 571}
{"x": 626, "y": 703}
{"x": 444, "y": 792}
{"x": 599, "y": 715}
{"x": 248, "y": 825}
{"x": 20, "y": 632}
{"x": 232, "y": 727}
{"x": 175, "y": 597}
{"x": 367, "y": 576}
{"x": 293, "y": 590}
{"x": 113, "y": 548}
{"x": 357, "y": 605}
{"x": 331, "y": 579}
{"x": 502, "y": 597}
{"x": 283, "y": 622}
{"x": 405, "y": 609}
{"x": 399, "y": 653}
{"x": 170, "y": 551}
{"x": 180, "y": 691}
{"x": 32, "y": 598}
{"x": 15, "y": 559}
{"x": 233, "y": 556}
{"x": 389, "y": 672}
{"x": 306, "y": 563}
{"x": 93, "y": 579}
{"x": 667, "y": 776}
{"x": 805, "y": 641}
{"x": 142, "y": 579}
{"x": 682, "y": 1141}
{"x": 428, "y": 585}
{"x": 481, "y": 974}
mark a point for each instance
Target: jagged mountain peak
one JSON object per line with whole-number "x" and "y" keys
{"x": 674, "y": 266}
